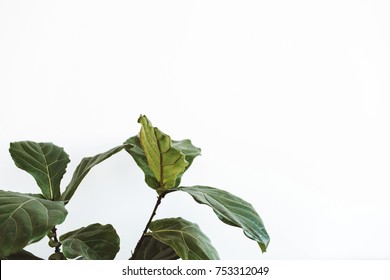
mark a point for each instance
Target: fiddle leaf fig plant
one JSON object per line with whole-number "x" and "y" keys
{"x": 28, "y": 218}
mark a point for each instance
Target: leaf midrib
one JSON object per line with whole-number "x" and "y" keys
{"x": 48, "y": 174}
{"x": 45, "y": 166}
{"x": 161, "y": 179}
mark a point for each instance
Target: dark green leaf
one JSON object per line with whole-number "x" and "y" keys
{"x": 94, "y": 242}
{"x": 83, "y": 168}
{"x": 57, "y": 256}
{"x": 22, "y": 255}
{"x": 186, "y": 238}
{"x": 233, "y": 211}
{"x": 152, "y": 249}
{"x": 25, "y": 219}
{"x": 46, "y": 162}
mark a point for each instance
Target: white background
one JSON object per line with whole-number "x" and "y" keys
{"x": 277, "y": 269}
{"x": 289, "y": 101}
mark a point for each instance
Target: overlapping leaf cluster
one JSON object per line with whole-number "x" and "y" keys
{"x": 27, "y": 218}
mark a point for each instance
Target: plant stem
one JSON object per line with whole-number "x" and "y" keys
{"x": 57, "y": 248}
{"x": 137, "y": 247}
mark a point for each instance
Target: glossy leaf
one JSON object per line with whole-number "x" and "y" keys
{"x": 137, "y": 152}
{"x": 22, "y": 255}
{"x": 46, "y": 162}
{"x": 83, "y": 168}
{"x": 94, "y": 242}
{"x": 25, "y": 219}
{"x": 233, "y": 211}
{"x": 152, "y": 249}
{"x": 186, "y": 238}
{"x": 165, "y": 161}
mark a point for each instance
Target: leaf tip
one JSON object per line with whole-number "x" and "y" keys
{"x": 263, "y": 246}
{"x": 143, "y": 119}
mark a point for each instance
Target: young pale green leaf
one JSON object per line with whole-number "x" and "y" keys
{"x": 84, "y": 167}
{"x": 22, "y": 255}
{"x": 46, "y": 162}
{"x": 138, "y": 154}
{"x": 25, "y": 219}
{"x": 152, "y": 249}
{"x": 94, "y": 242}
{"x": 164, "y": 160}
{"x": 186, "y": 238}
{"x": 233, "y": 211}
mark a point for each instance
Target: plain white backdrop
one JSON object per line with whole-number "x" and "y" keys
{"x": 289, "y": 101}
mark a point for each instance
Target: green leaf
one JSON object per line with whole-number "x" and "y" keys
{"x": 137, "y": 152}
{"x": 139, "y": 156}
{"x": 94, "y": 242}
{"x": 57, "y": 256}
{"x": 22, "y": 255}
{"x": 25, "y": 219}
{"x": 152, "y": 249}
{"x": 83, "y": 168}
{"x": 46, "y": 162}
{"x": 186, "y": 238}
{"x": 233, "y": 211}
{"x": 164, "y": 160}
{"x": 190, "y": 152}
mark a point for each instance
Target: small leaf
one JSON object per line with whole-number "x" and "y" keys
{"x": 137, "y": 152}
{"x": 233, "y": 211}
{"x": 53, "y": 243}
{"x": 94, "y": 242}
{"x": 164, "y": 160}
{"x": 46, "y": 162}
{"x": 25, "y": 219}
{"x": 51, "y": 235}
{"x": 57, "y": 256}
{"x": 83, "y": 168}
{"x": 22, "y": 255}
{"x": 152, "y": 249}
{"x": 186, "y": 238}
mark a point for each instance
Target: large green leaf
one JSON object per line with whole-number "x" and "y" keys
{"x": 233, "y": 211}
{"x": 152, "y": 249}
{"x": 22, "y": 255}
{"x": 94, "y": 242}
{"x": 25, "y": 219}
{"x": 164, "y": 160}
{"x": 186, "y": 238}
{"x": 84, "y": 167}
{"x": 46, "y": 162}
{"x": 137, "y": 152}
